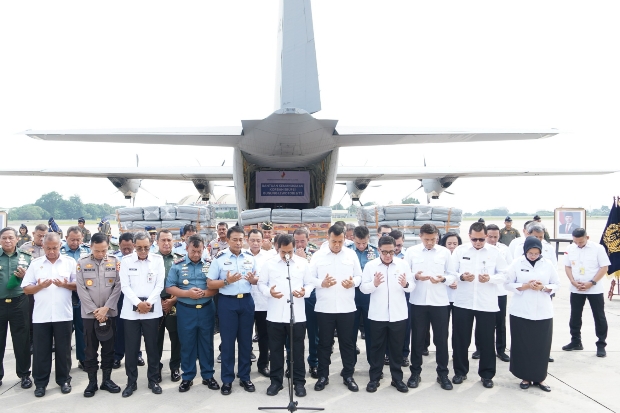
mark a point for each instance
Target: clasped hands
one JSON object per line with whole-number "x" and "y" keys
{"x": 469, "y": 277}
{"x": 534, "y": 285}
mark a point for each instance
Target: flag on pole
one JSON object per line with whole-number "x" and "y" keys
{"x": 611, "y": 239}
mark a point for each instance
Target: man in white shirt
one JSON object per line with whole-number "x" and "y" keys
{"x": 142, "y": 277}
{"x": 533, "y": 228}
{"x": 586, "y": 264}
{"x": 336, "y": 272}
{"x": 274, "y": 283}
{"x": 51, "y": 280}
{"x": 429, "y": 263}
{"x": 386, "y": 280}
{"x": 255, "y": 241}
{"x": 399, "y": 252}
{"x": 479, "y": 268}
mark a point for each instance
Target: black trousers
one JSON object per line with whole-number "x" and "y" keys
{"x": 169, "y": 323}
{"x": 260, "y": 318}
{"x": 462, "y": 324}
{"x": 91, "y": 364}
{"x": 597, "y": 304}
{"x": 133, "y": 330}
{"x": 343, "y": 323}
{"x": 390, "y": 334}
{"x": 500, "y": 325}
{"x": 278, "y": 333}
{"x": 438, "y": 317}
{"x": 44, "y": 335}
{"x": 15, "y": 315}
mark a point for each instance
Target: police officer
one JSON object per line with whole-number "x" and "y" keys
{"x": 85, "y": 232}
{"x": 23, "y": 236}
{"x": 14, "y": 305}
{"x": 74, "y": 248}
{"x": 187, "y": 280}
{"x": 168, "y": 304}
{"x": 153, "y": 234}
{"x": 220, "y": 243}
{"x": 365, "y": 252}
{"x": 98, "y": 287}
{"x": 233, "y": 272}
{"x": 508, "y": 233}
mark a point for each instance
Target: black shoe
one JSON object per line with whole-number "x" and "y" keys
{"x": 109, "y": 385}
{"x": 264, "y": 371}
{"x": 255, "y": 339}
{"x": 357, "y": 350}
{"x": 372, "y": 385}
{"x": 226, "y": 389}
{"x": 405, "y": 362}
{"x": 130, "y": 389}
{"x": 525, "y": 385}
{"x": 175, "y": 375}
{"x": 425, "y": 352}
{"x": 247, "y": 385}
{"x": 26, "y": 382}
{"x": 488, "y": 383}
{"x": 476, "y": 355}
{"x": 92, "y": 386}
{"x": 211, "y": 383}
{"x": 300, "y": 390}
{"x": 573, "y": 346}
{"x": 350, "y": 383}
{"x": 600, "y": 352}
{"x": 363, "y": 335}
{"x": 386, "y": 361}
{"x": 80, "y": 365}
{"x": 503, "y": 357}
{"x": 551, "y": 360}
{"x": 155, "y": 388}
{"x": 414, "y": 381}
{"x": 274, "y": 389}
{"x": 116, "y": 364}
{"x": 140, "y": 361}
{"x": 544, "y": 387}
{"x": 39, "y": 392}
{"x": 65, "y": 388}
{"x": 459, "y": 379}
{"x": 219, "y": 358}
{"x": 321, "y": 383}
{"x": 400, "y": 386}
{"x": 314, "y": 372}
{"x": 185, "y": 385}
{"x": 252, "y": 357}
{"x": 445, "y": 383}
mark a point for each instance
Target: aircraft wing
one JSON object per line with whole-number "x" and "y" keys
{"x": 215, "y": 173}
{"x": 212, "y": 136}
{"x": 364, "y": 136}
{"x": 347, "y": 173}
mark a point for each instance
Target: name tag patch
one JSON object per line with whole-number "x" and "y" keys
{"x": 466, "y": 258}
{"x": 133, "y": 269}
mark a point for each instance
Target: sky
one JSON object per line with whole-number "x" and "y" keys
{"x": 441, "y": 64}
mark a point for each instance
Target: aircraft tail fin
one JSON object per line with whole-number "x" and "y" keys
{"x": 297, "y": 82}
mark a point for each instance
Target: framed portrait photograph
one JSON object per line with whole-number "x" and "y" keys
{"x": 566, "y": 220}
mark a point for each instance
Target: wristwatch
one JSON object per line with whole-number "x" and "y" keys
{"x": 226, "y": 282}
{"x": 461, "y": 277}
{"x": 593, "y": 282}
{"x": 406, "y": 286}
{"x": 444, "y": 280}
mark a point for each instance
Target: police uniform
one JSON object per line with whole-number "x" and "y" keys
{"x": 216, "y": 246}
{"x": 506, "y": 236}
{"x": 195, "y": 318}
{"x": 98, "y": 285}
{"x": 169, "y": 322}
{"x": 14, "y": 312}
{"x": 82, "y": 251}
{"x": 362, "y": 301}
{"x": 236, "y": 312}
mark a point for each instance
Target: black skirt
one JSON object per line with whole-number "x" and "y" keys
{"x": 530, "y": 348}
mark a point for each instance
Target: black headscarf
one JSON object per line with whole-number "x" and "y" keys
{"x": 532, "y": 242}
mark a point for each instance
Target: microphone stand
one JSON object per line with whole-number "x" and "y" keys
{"x": 292, "y": 404}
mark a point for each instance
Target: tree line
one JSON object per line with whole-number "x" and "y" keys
{"x": 54, "y": 205}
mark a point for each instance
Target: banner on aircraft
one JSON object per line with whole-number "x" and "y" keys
{"x": 290, "y": 187}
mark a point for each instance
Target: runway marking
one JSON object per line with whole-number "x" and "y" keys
{"x": 580, "y": 392}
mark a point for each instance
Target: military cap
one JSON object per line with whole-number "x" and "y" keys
{"x": 508, "y": 219}
{"x": 81, "y": 219}
{"x": 267, "y": 225}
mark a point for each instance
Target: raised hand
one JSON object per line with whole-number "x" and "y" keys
{"x": 276, "y": 294}
{"x": 329, "y": 281}
{"x": 348, "y": 283}
{"x": 378, "y": 279}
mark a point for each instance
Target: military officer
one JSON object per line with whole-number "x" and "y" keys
{"x": 220, "y": 243}
{"x": 153, "y": 234}
{"x": 508, "y": 233}
{"x": 98, "y": 287}
{"x": 14, "y": 305}
{"x": 85, "y": 232}
{"x": 187, "y": 280}
{"x": 168, "y": 304}
{"x": 105, "y": 228}
{"x": 23, "y": 236}
{"x": 74, "y": 248}
{"x": 233, "y": 272}
{"x": 267, "y": 228}
{"x": 188, "y": 231}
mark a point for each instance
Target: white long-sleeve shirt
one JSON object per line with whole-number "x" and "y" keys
{"x": 505, "y": 251}
{"x": 434, "y": 262}
{"x": 531, "y": 304}
{"x": 260, "y": 301}
{"x": 142, "y": 278}
{"x": 335, "y": 299}
{"x": 548, "y": 252}
{"x": 275, "y": 272}
{"x": 387, "y": 301}
{"x": 475, "y": 295}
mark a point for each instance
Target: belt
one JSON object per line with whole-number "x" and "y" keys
{"x": 237, "y": 295}
{"x": 197, "y": 306}
{"x": 10, "y": 300}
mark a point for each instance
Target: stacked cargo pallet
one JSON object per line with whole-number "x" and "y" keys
{"x": 317, "y": 220}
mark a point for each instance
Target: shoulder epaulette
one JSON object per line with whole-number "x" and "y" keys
{"x": 219, "y": 254}
{"x": 180, "y": 259}
{"x": 248, "y": 252}
{"x": 24, "y": 252}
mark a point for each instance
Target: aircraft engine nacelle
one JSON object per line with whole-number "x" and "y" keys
{"x": 204, "y": 188}
{"x": 434, "y": 187}
{"x": 128, "y": 187}
{"x": 356, "y": 188}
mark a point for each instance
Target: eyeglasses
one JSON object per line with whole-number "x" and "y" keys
{"x": 385, "y": 234}
{"x": 478, "y": 239}
{"x": 143, "y": 248}
{"x": 388, "y": 252}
